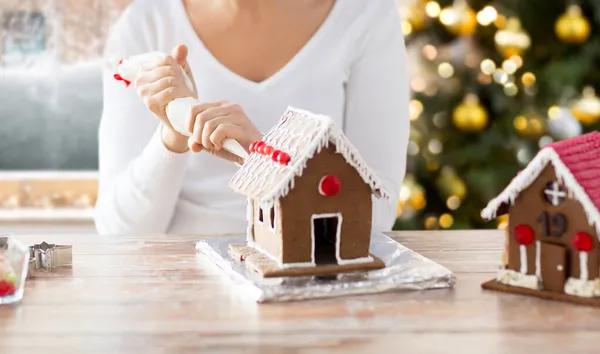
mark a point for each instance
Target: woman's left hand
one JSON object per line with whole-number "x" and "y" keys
{"x": 211, "y": 123}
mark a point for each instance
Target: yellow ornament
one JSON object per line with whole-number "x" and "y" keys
{"x": 459, "y": 19}
{"x": 504, "y": 259}
{"x": 572, "y": 27}
{"x": 413, "y": 17}
{"x": 470, "y": 116}
{"x": 512, "y": 39}
{"x": 411, "y": 198}
{"x": 530, "y": 124}
{"x": 587, "y": 108}
{"x": 417, "y": 15}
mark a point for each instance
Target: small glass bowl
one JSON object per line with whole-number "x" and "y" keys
{"x": 14, "y": 265}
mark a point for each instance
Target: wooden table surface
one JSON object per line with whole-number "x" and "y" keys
{"x": 155, "y": 295}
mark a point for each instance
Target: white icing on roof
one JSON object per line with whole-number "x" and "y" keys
{"x": 302, "y": 135}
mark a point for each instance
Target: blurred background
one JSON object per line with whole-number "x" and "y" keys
{"x": 492, "y": 83}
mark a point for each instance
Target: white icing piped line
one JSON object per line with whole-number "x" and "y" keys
{"x": 298, "y": 265}
{"x": 583, "y": 266}
{"x": 523, "y": 251}
{"x": 538, "y": 261}
{"x": 531, "y": 173}
{"x": 368, "y": 259}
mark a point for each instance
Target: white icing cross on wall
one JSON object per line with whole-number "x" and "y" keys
{"x": 554, "y": 192}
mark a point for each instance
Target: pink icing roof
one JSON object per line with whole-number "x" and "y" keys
{"x": 581, "y": 156}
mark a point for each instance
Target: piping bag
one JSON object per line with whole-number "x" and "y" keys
{"x": 127, "y": 70}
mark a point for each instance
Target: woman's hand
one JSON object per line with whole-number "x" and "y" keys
{"x": 161, "y": 82}
{"x": 211, "y": 123}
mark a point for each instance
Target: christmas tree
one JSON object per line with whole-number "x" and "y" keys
{"x": 496, "y": 81}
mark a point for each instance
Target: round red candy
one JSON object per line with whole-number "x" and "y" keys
{"x": 582, "y": 242}
{"x": 259, "y": 145}
{"x": 283, "y": 158}
{"x": 524, "y": 234}
{"x": 252, "y": 146}
{"x": 268, "y": 150}
{"x": 6, "y": 288}
{"x": 329, "y": 186}
{"x": 275, "y": 155}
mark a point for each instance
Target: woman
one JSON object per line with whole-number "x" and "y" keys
{"x": 250, "y": 60}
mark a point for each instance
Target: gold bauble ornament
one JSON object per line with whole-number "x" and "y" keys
{"x": 572, "y": 27}
{"x": 587, "y": 108}
{"x": 506, "y": 247}
{"x": 512, "y": 39}
{"x": 411, "y": 198}
{"x": 417, "y": 15}
{"x": 413, "y": 17}
{"x": 530, "y": 124}
{"x": 470, "y": 116}
{"x": 459, "y": 19}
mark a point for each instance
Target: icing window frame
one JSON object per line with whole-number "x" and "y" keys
{"x": 554, "y": 193}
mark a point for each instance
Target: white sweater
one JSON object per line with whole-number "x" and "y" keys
{"x": 353, "y": 70}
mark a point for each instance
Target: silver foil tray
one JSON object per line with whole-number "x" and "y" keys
{"x": 405, "y": 270}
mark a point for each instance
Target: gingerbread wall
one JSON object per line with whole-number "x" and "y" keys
{"x": 267, "y": 238}
{"x": 304, "y": 200}
{"x": 526, "y": 210}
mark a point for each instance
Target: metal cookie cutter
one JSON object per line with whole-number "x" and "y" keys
{"x": 45, "y": 257}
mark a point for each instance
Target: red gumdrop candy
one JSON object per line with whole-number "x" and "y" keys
{"x": 268, "y": 150}
{"x": 275, "y": 155}
{"x": 329, "y": 186}
{"x": 252, "y": 147}
{"x": 6, "y": 288}
{"x": 259, "y": 145}
{"x": 583, "y": 242}
{"x": 524, "y": 234}
{"x": 283, "y": 158}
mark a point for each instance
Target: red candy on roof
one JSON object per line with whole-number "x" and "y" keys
{"x": 276, "y": 155}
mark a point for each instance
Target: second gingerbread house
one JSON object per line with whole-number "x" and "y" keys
{"x": 554, "y": 223}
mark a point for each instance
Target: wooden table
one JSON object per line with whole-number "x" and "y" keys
{"x": 154, "y": 295}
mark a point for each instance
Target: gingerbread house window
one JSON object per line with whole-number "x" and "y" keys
{"x": 272, "y": 218}
{"x": 554, "y": 193}
{"x": 260, "y": 215}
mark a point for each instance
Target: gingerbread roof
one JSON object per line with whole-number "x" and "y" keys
{"x": 301, "y": 135}
{"x": 576, "y": 162}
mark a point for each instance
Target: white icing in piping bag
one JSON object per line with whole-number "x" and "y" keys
{"x": 178, "y": 109}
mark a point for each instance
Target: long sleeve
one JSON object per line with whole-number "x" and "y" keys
{"x": 376, "y": 116}
{"x": 140, "y": 180}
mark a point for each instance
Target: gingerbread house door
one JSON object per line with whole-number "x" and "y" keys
{"x": 326, "y": 238}
{"x": 553, "y": 259}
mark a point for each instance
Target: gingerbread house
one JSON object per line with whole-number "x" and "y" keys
{"x": 554, "y": 223}
{"x": 309, "y": 200}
